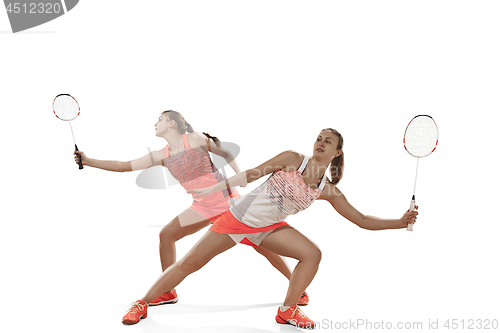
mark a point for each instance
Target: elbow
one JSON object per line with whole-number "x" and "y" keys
{"x": 363, "y": 223}
{"x": 125, "y": 166}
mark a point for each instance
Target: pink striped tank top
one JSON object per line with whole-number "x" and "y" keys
{"x": 194, "y": 169}
{"x": 282, "y": 194}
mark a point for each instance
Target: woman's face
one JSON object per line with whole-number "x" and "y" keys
{"x": 326, "y": 145}
{"x": 161, "y": 125}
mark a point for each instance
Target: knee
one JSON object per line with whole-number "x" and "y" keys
{"x": 318, "y": 255}
{"x": 168, "y": 235}
{"x": 313, "y": 255}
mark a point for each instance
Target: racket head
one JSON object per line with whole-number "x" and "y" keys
{"x": 421, "y": 136}
{"x": 65, "y": 107}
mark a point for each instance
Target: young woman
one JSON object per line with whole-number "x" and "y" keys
{"x": 186, "y": 156}
{"x": 295, "y": 183}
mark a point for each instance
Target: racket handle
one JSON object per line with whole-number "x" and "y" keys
{"x": 412, "y": 208}
{"x": 80, "y": 166}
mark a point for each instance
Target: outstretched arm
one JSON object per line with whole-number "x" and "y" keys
{"x": 333, "y": 195}
{"x": 285, "y": 159}
{"x": 149, "y": 160}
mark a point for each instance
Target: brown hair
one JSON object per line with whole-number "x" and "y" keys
{"x": 337, "y": 164}
{"x": 183, "y": 126}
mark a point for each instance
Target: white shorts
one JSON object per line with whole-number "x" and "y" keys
{"x": 255, "y": 238}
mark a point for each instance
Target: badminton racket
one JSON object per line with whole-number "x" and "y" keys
{"x": 66, "y": 108}
{"x": 420, "y": 140}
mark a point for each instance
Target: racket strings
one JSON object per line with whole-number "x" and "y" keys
{"x": 66, "y": 107}
{"x": 421, "y": 137}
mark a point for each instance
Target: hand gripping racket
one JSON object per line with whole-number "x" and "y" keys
{"x": 66, "y": 108}
{"x": 420, "y": 140}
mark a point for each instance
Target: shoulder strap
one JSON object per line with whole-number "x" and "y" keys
{"x": 186, "y": 142}
{"x": 323, "y": 182}
{"x": 166, "y": 151}
{"x": 303, "y": 166}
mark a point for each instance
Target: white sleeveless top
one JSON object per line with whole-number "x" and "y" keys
{"x": 281, "y": 195}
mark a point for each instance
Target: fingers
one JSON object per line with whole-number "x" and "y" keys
{"x": 198, "y": 193}
{"x": 78, "y": 156}
{"x": 414, "y": 210}
{"x": 411, "y": 220}
{"x": 194, "y": 192}
{"x": 412, "y": 217}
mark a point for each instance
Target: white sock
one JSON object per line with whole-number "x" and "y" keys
{"x": 284, "y": 308}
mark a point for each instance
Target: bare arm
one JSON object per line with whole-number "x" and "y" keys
{"x": 149, "y": 160}
{"x": 280, "y": 161}
{"x": 333, "y": 195}
{"x": 226, "y": 154}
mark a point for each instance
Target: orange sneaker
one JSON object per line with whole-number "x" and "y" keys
{"x": 170, "y": 297}
{"x": 294, "y": 316}
{"x": 138, "y": 311}
{"x": 304, "y": 299}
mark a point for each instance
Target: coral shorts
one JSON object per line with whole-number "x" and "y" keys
{"x": 215, "y": 210}
{"x": 240, "y": 232}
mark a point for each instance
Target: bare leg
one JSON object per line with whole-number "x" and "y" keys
{"x": 191, "y": 222}
{"x": 288, "y": 242}
{"x": 210, "y": 245}
{"x": 277, "y": 261}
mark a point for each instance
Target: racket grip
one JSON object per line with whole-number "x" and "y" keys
{"x": 80, "y": 166}
{"x": 412, "y": 208}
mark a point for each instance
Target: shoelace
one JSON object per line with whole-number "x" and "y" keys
{"x": 299, "y": 313}
{"x": 297, "y": 309}
{"x": 136, "y": 306}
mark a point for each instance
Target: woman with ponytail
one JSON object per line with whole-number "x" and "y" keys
{"x": 186, "y": 157}
{"x": 296, "y": 182}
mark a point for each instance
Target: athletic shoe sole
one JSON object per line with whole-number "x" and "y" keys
{"x": 287, "y": 323}
{"x": 130, "y": 322}
{"x": 172, "y": 301}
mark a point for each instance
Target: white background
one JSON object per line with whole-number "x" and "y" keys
{"x": 78, "y": 246}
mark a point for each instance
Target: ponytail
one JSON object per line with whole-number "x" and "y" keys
{"x": 337, "y": 169}
{"x": 189, "y": 128}
{"x": 337, "y": 164}
{"x": 215, "y": 139}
